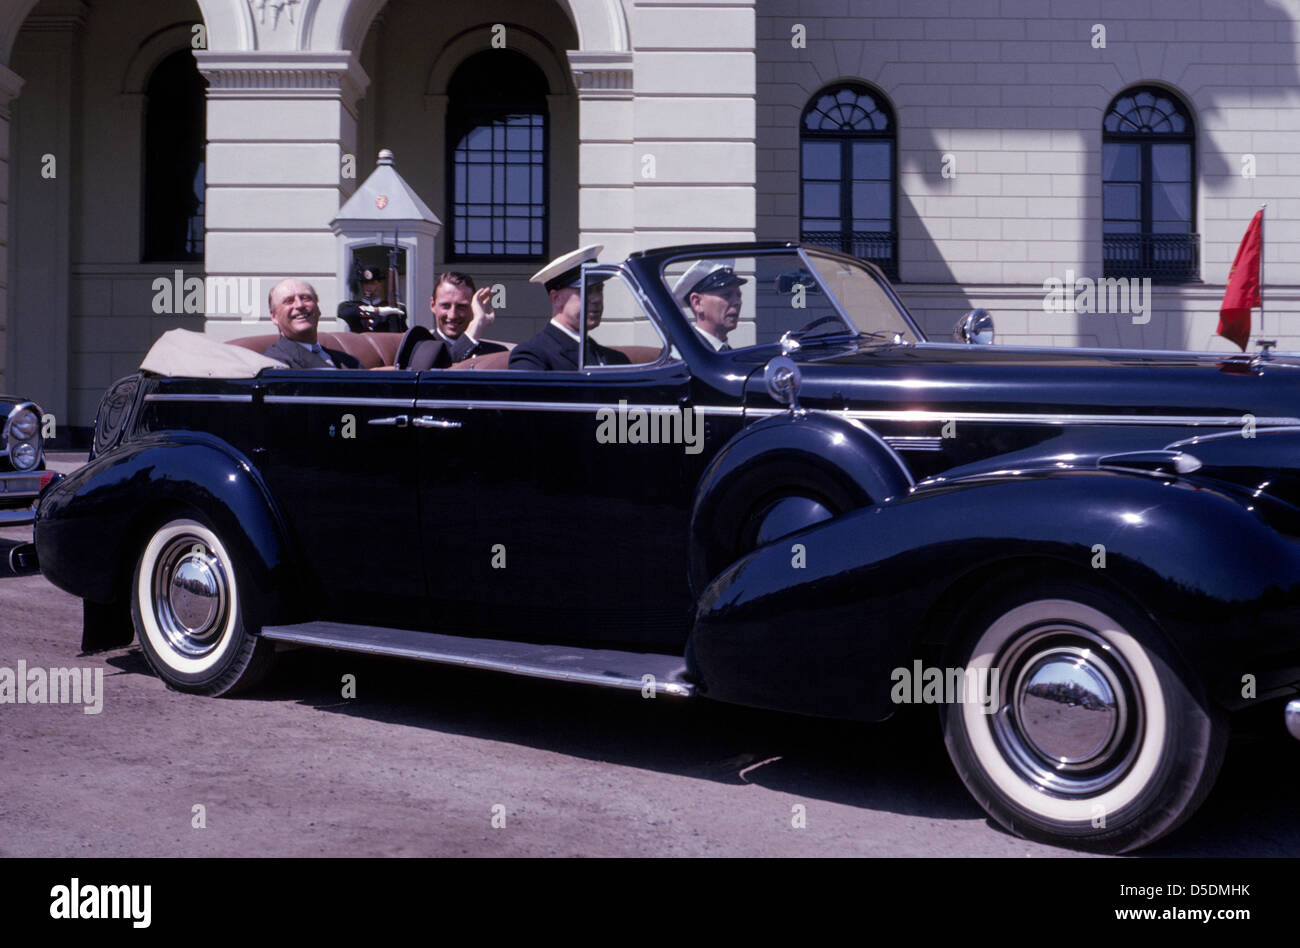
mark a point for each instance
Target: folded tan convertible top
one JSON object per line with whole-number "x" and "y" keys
{"x": 181, "y": 353}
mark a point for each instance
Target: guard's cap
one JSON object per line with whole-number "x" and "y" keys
{"x": 567, "y": 270}
{"x": 705, "y": 276}
{"x": 366, "y": 274}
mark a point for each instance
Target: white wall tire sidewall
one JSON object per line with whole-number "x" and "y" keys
{"x": 984, "y": 750}
{"x": 159, "y": 644}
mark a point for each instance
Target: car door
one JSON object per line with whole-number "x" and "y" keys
{"x": 339, "y": 458}
{"x": 545, "y": 513}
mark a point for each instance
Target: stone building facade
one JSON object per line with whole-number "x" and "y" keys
{"x": 975, "y": 153}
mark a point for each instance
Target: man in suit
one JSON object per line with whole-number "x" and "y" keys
{"x": 556, "y": 346}
{"x": 461, "y": 315}
{"x": 295, "y": 312}
{"x": 711, "y": 291}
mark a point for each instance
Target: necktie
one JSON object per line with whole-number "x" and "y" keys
{"x": 724, "y": 348}
{"x": 323, "y": 356}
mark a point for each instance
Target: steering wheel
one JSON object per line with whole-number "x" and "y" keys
{"x": 817, "y": 322}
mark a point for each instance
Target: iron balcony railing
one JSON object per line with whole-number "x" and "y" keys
{"x": 878, "y": 246}
{"x": 1165, "y": 258}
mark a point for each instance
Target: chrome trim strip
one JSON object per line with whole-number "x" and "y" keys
{"x": 898, "y": 415}
{"x": 196, "y": 397}
{"x": 1224, "y": 435}
{"x": 575, "y": 407}
{"x": 914, "y": 442}
{"x": 1039, "y": 418}
{"x": 685, "y": 689}
{"x": 338, "y": 400}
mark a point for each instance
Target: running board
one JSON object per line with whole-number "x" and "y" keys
{"x": 588, "y": 666}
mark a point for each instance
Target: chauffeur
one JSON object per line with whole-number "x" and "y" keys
{"x": 710, "y": 289}
{"x": 556, "y": 346}
{"x": 295, "y": 312}
{"x": 461, "y": 315}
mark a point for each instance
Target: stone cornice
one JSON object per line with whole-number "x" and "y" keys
{"x": 57, "y": 16}
{"x": 602, "y": 74}
{"x": 10, "y": 85}
{"x": 283, "y": 75}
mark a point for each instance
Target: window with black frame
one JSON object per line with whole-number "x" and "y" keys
{"x": 174, "y": 180}
{"x": 496, "y": 153}
{"x": 847, "y": 164}
{"x": 1148, "y": 168}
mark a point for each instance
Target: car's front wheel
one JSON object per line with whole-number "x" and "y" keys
{"x": 1094, "y": 737}
{"x": 189, "y": 605}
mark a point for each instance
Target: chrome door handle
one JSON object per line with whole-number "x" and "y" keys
{"x": 427, "y": 421}
{"x": 398, "y": 421}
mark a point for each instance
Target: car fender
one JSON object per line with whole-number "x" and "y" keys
{"x": 827, "y": 455}
{"x": 90, "y": 527}
{"x": 818, "y": 621}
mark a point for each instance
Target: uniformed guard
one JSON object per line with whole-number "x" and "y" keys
{"x": 372, "y": 312}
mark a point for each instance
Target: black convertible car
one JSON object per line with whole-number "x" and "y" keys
{"x": 1087, "y": 559}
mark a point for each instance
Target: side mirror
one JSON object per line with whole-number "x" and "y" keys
{"x": 975, "y": 328}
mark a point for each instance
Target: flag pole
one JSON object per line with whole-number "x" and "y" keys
{"x": 1262, "y": 214}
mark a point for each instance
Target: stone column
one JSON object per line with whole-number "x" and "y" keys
{"x": 606, "y": 151}
{"x": 10, "y": 84}
{"x": 281, "y": 159}
{"x": 43, "y": 176}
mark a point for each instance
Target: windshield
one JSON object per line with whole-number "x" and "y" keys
{"x": 738, "y": 302}
{"x": 864, "y": 300}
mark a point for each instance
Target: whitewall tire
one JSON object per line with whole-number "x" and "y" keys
{"x": 1097, "y": 739}
{"x": 188, "y": 602}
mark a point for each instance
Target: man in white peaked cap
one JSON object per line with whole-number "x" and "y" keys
{"x": 556, "y": 346}
{"x": 710, "y": 289}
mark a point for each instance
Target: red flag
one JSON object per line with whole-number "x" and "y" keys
{"x": 1242, "y": 291}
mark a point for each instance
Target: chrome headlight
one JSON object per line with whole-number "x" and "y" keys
{"x": 23, "y": 425}
{"x": 24, "y": 438}
{"x": 24, "y": 456}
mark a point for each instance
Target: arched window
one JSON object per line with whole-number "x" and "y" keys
{"x": 174, "y": 135}
{"x": 496, "y": 150}
{"x": 846, "y": 142}
{"x": 1148, "y": 173}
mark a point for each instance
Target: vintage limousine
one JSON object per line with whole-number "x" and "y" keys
{"x": 1086, "y": 559}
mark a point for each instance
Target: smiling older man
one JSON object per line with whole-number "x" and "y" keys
{"x": 295, "y": 312}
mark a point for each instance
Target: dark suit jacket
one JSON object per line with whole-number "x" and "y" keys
{"x": 296, "y": 357}
{"x": 463, "y": 348}
{"x": 551, "y": 349}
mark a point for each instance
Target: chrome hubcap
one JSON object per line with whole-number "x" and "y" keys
{"x": 1069, "y": 716}
{"x": 191, "y": 596}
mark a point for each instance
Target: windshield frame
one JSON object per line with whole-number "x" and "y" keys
{"x": 851, "y": 330}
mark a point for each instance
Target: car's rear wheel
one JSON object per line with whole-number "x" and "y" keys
{"x": 1097, "y": 738}
{"x": 189, "y": 602}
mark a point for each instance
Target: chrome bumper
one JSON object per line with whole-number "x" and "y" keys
{"x": 18, "y": 493}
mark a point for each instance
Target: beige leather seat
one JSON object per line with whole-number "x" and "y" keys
{"x": 377, "y": 350}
